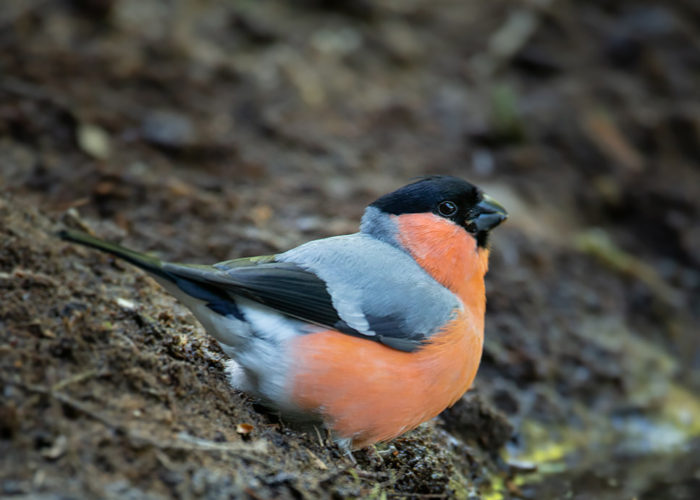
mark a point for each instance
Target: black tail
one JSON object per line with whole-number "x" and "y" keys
{"x": 184, "y": 277}
{"x": 145, "y": 262}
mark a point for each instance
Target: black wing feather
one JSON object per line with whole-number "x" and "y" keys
{"x": 283, "y": 286}
{"x": 293, "y": 291}
{"x": 289, "y": 289}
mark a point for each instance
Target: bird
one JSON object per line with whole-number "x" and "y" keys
{"x": 371, "y": 333}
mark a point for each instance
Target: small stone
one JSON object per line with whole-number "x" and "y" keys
{"x": 126, "y": 304}
{"x": 94, "y": 141}
{"x": 168, "y": 129}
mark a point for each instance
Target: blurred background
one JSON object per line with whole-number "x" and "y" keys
{"x": 204, "y": 130}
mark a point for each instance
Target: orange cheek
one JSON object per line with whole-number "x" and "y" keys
{"x": 448, "y": 253}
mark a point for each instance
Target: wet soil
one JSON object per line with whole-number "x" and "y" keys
{"x": 203, "y": 131}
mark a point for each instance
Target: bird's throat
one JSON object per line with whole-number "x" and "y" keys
{"x": 449, "y": 254}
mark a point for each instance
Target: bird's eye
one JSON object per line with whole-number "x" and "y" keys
{"x": 447, "y": 208}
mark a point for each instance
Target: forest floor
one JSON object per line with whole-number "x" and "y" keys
{"x": 203, "y": 130}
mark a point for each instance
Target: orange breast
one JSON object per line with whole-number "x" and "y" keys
{"x": 369, "y": 392}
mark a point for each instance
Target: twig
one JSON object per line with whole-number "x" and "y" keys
{"x": 78, "y": 377}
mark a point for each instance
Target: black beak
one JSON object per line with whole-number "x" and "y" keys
{"x": 488, "y": 213}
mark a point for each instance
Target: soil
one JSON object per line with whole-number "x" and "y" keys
{"x": 207, "y": 130}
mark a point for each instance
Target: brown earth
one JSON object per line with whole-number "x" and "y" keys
{"x": 207, "y": 130}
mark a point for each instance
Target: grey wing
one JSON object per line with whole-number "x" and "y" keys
{"x": 291, "y": 290}
{"x": 353, "y": 284}
{"x": 377, "y": 289}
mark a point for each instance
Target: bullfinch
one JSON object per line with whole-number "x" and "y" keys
{"x": 373, "y": 332}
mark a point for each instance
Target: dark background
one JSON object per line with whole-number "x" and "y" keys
{"x": 207, "y": 130}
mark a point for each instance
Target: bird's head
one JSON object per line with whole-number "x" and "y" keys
{"x": 443, "y": 223}
{"x": 446, "y": 199}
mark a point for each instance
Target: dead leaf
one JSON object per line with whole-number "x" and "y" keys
{"x": 57, "y": 449}
{"x": 244, "y": 429}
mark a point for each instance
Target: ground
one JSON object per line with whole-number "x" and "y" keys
{"x": 207, "y": 130}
